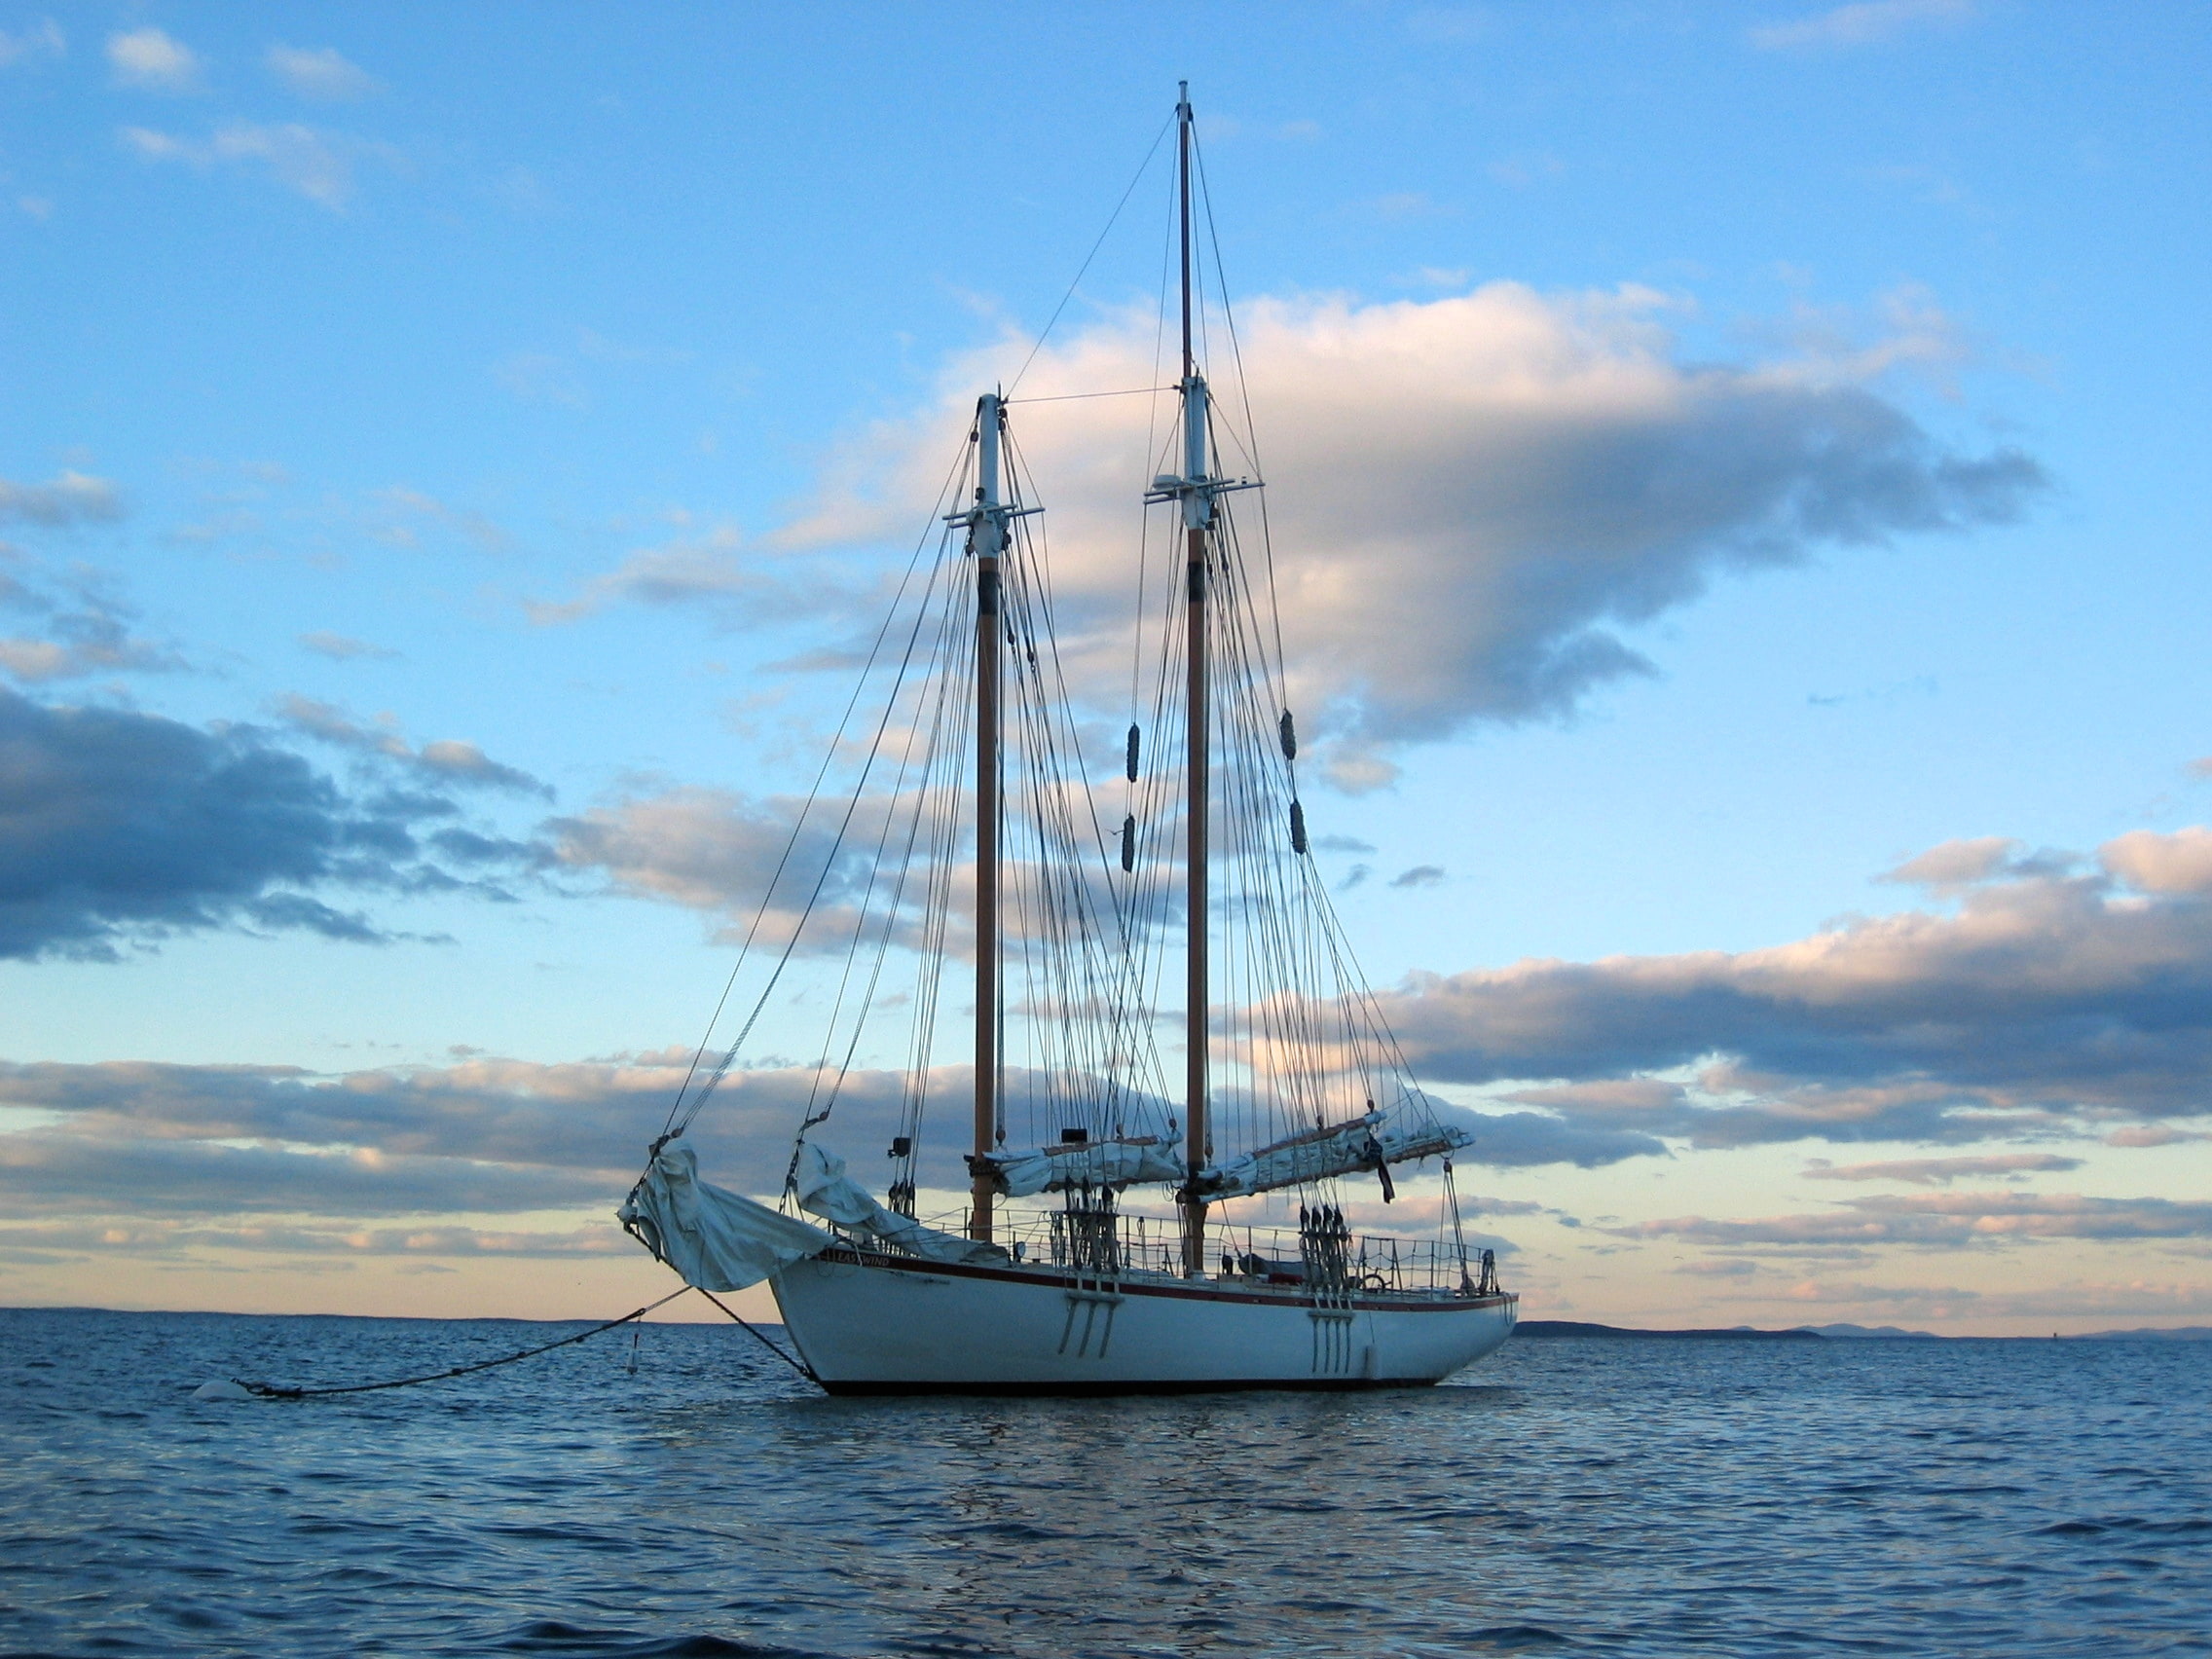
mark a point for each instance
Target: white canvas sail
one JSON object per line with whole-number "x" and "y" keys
{"x": 716, "y": 1239}
{"x": 824, "y": 1188}
{"x": 1095, "y": 1165}
{"x": 1365, "y": 1143}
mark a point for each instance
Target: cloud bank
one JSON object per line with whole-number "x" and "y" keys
{"x": 149, "y": 1155}
{"x": 119, "y": 828}
{"x": 200, "y": 1146}
{"x": 2053, "y": 1001}
{"x": 1948, "y": 1221}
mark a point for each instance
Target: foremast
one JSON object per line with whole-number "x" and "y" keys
{"x": 1195, "y": 491}
{"x": 987, "y": 543}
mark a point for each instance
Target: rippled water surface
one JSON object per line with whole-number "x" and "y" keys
{"x": 1652, "y": 1497}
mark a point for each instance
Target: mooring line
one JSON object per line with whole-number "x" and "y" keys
{"x": 273, "y": 1391}
{"x": 798, "y": 1365}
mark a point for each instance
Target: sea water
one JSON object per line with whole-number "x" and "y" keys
{"x": 1652, "y": 1497}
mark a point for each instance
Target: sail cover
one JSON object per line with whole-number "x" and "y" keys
{"x": 825, "y": 1190}
{"x": 716, "y": 1239}
{"x": 1365, "y": 1143}
{"x": 1096, "y": 1163}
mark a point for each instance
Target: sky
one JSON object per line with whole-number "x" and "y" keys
{"x": 1731, "y": 470}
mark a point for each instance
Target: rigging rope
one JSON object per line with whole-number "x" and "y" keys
{"x": 1079, "y": 397}
{"x": 1111, "y": 220}
{"x": 798, "y": 1365}
{"x": 679, "y": 1120}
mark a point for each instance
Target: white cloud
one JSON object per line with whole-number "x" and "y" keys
{"x": 154, "y": 61}
{"x": 65, "y": 1172}
{"x": 1942, "y": 1171}
{"x": 447, "y": 760}
{"x": 1421, "y": 875}
{"x": 82, "y": 630}
{"x": 717, "y": 569}
{"x": 1866, "y": 22}
{"x": 2151, "y": 1134}
{"x": 340, "y": 647}
{"x": 1946, "y": 1220}
{"x": 1519, "y": 173}
{"x": 71, "y": 497}
{"x": 78, "y": 625}
{"x": 1472, "y": 497}
{"x": 1442, "y": 24}
{"x": 44, "y": 41}
{"x": 313, "y": 162}
{"x": 320, "y": 72}
{"x": 1401, "y": 205}
{"x": 540, "y": 377}
{"x": 1903, "y": 328}
{"x": 1955, "y": 864}
{"x": 401, "y": 514}
{"x": 142, "y": 1237}
{"x": 2179, "y": 863}
{"x": 485, "y": 1136}
{"x": 562, "y": 381}
{"x": 36, "y": 661}
{"x": 1526, "y": 1139}
{"x": 726, "y": 854}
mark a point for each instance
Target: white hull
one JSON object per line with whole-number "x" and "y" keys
{"x": 890, "y": 1325}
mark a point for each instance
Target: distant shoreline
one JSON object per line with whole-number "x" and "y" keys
{"x": 1541, "y": 1330}
{"x": 1557, "y": 1328}
{"x": 1570, "y": 1329}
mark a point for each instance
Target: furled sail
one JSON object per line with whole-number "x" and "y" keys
{"x": 1366, "y": 1142}
{"x": 1105, "y": 1163}
{"x": 714, "y": 1239}
{"x": 824, "y": 1188}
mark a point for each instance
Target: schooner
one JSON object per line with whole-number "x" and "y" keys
{"x": 1147, "y": 1232}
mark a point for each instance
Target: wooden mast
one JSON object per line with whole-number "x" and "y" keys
{"x": 986, "y": 537}
{"x": 1197, "y": 511}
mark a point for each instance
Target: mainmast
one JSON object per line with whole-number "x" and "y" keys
{"x": 986, "y": 541}
{"x": 1198, "y": 514}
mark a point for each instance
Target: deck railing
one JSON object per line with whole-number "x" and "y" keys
{"x": 1325, "y": 1258}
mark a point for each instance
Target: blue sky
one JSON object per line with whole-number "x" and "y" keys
{"x": 365, "y": 374}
